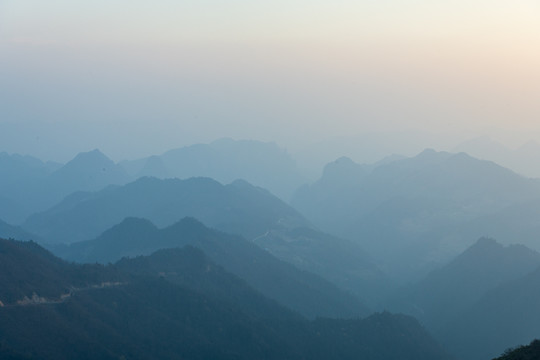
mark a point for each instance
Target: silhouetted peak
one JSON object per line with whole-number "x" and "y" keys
{"x": 132, "y": 224}
{"x": 481, "y": 248}
{"x": 95, "y": 154}
{"x": 486, "y": 242}
{"x": 431, "y": 154}
{"x": 188, "y": 224}
{"x": 344, "y": 160}
{"x": 154, "y": 166}
{"x": 242, "y": 184}
{"x": 342, "y": 170}
{"x": 464, "y": 156}
{"x": 90, "y": 160}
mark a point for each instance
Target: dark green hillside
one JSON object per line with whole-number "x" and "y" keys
{"x": 145, "y": 316}
{"x": 301, "y": 291}
{"x": 237, "y": 208}
{"x": 189, "y": 267}
{"x": 526, "y": 352}
{"x": 27, "y": 269}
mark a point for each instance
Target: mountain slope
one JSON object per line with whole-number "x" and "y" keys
{"x": 8, "y": 231}
{"x": 341, "y": 261}
{"x": 301, "y": 291}
{"x": 454, "y": 288}
{"x": 238, "y": 208}
{"x": 145, "y": 317}
{"x": 411, "y": 208}
{"x": 505, "y": 316}
{"x": 528, "y": 352}
{"x": 262, "y": 164}
{"x": 20, "y": 174}
{"x": 35, "y": 186}
{"x": 523, "y": 160}
{"x": 189, "y": 267}
{"x": 88, "y": 171}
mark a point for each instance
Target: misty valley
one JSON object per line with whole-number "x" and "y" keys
{"x": 231, "y": 250}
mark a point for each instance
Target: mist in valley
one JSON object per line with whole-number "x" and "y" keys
{"x": 295, "y": 180}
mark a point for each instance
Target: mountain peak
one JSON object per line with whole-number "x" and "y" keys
{"x": 131, "y": 225}
{"x": 89, "y": 159}
{"x": 187, "y": 224}
{"x": 486, "y": 242}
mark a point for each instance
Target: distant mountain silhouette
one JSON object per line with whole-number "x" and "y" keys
{"x": 8, "y": 231}
{"x": 523, "y": 159}
{"x": 515, "y": 223}
{"x": 262, "y": 164}
{"x": 454, "y": 288}
{"x": 142, "y": 315}
{"x": 88, "y": 171}
{"x": 19, "y": 175}
{"x": 32, "y": 186}
{"x": 409, "y": 213}
{"x": 304, "y": 292}
{"x": 341, "y": 261}
{"x": 237, "y": 208}
{"x": 155, "y": 167}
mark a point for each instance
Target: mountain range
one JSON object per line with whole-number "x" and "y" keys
{"x": 108, "y": 312}
{"x": 424, "y": 210}
{"x": 304, "y": 292}
{"x": 454, "y": 288}
{"x": 263, "y": 164}
{"x": 30, "y": 185}
{"x": 523, "y": 159}
{"x": 237, "y": 208}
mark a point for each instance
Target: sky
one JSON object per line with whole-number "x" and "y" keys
{"x": 135, "y": 78}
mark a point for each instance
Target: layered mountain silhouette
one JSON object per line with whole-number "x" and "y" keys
{"x": 447, "y": 292}
{"x": 88, "y": 171}
{"x": 341, "y": 261}
{"x": 148, "y": 309}
{"x": 262, "y": 164}
{"x": 523, "y": 159}
{"x": 414, "y": 208}
{"x": 19, "y": 174}
{"x": 190, "y": 267}
{"x": 8, "y": 231}
{"x": 31, "y": 185}
{"x": 304, "y": 292}
{"x": 238, "y": 208}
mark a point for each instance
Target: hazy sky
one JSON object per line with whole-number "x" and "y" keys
{"x": 139, "y": 77}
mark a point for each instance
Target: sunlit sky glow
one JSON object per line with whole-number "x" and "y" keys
{"x": 163, "y": 74}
